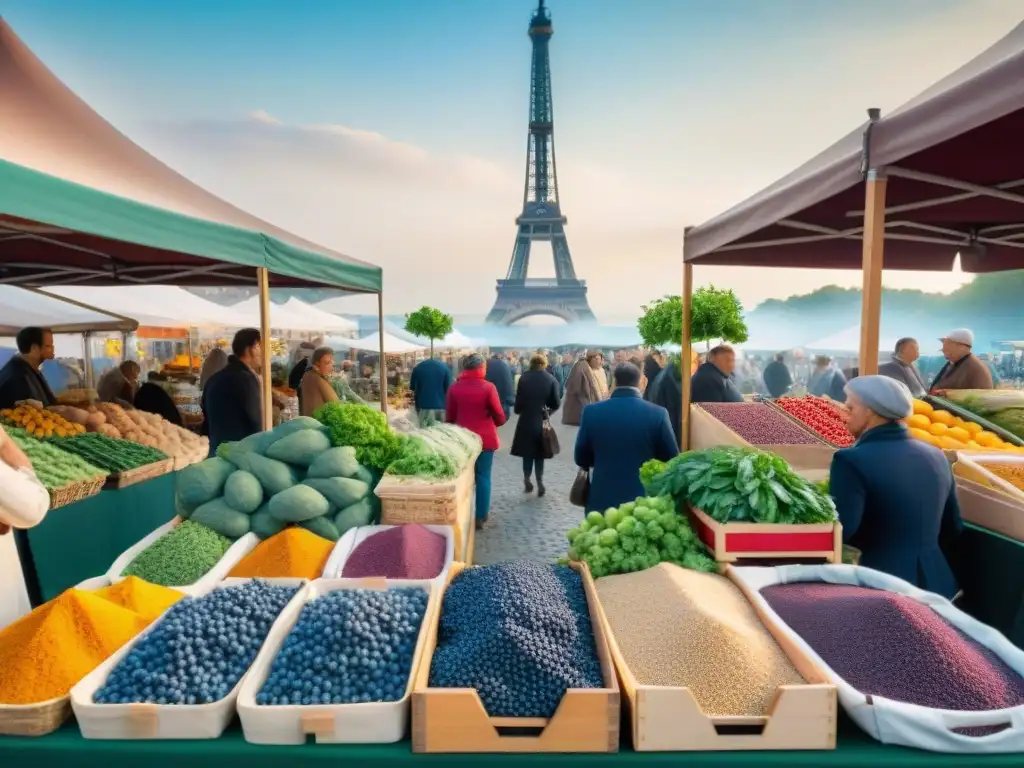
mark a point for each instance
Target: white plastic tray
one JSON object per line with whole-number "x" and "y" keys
{"x": 218, "y": 573}
{"x": 161, "y": 721}
{"x": 896, "y": 722}
{"x": 344, "y": 549}
{"x": 370, "y": 723}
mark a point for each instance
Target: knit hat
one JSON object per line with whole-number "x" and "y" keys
{"x": 887, "y": 397}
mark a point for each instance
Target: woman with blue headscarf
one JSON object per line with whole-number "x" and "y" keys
{"x": 895, "y": 495}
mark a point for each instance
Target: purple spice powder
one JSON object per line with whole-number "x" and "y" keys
{"x": 890, "y": 645}
{"x": 760, "y": 424}
{"x": 404, "y": 552}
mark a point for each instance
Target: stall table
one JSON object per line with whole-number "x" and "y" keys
{"x": 67, "y": 749}
{"x": 81, "y": 540}
{"x": 991, "y": 572}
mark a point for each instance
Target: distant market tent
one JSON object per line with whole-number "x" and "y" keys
{"x": 157, "y": 306}
{"x": 392, "y": 344}
{"x": 320, "y": 319}
{"x": 22, "y": 307}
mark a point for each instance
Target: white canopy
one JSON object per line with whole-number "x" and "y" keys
{"x": 392, "y": 344}
{"x": 157, "y": 306}
{"x": 23, "y": 307}
{"x": 281, "y": 317}
{"x": 322, "y": 321}
{"x": 456, "y": 340}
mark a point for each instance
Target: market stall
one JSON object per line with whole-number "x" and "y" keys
{"x": 80, "y": 204}
{"x": 914, "y": 190}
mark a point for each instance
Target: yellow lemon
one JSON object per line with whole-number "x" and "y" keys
{"x": 942, "y": 417}
{"x": 950, "y": 444}
{"x": 973, "y": 428}
{"x": 986, "y": 439}
{"x": 921, "y": 407}
{"x": 920, "y": 434}
{"x": 959, "y": 433}
{"x": 919, "y": 421}
{"x": 938, "y": 429}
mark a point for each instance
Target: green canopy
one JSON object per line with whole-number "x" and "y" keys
{"x": 81, "y": 203}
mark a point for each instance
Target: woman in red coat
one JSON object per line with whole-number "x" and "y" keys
{"x": 473, "y": 403}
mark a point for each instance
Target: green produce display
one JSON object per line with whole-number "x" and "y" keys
{"x": 180, "y": 557}
{"x": 202, "y": 482}
{"x": 438, "y": 452}
{"x": 220, "y": 517}
{"x": 302, "y": 481}
{"x": 742, "y": 485}
{"x": 54, "y": 467}
{"x": 363, "y": 428}
{"x": 111, "y": 454}
{"x": 243, "y": 492}
{"x": 636, "y": 536}
{"x": 1002, "y": 407}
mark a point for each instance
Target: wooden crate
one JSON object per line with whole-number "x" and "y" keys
{"x": 138, "y": 475}
{"x": 729, "y": 542}
{"x": 993, "y": 510}
{"x": 808, "y": 461}
{"x": 406, "y": 501}
{"x": 449, "y": 720}
{"x": 669, "y": 719}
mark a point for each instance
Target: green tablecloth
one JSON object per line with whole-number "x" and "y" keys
{"x": 81, "y": 540}
{"x": 67, "y": 749}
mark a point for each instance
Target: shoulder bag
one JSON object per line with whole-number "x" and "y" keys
{"x": 548, "y": 437}
{"x": 579, "y": 494}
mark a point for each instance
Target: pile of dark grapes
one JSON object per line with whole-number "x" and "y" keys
{"x": 201, "y": 648}
{"x": 348, "y": 647}
{"x": 520, "y": 634}
{"x": 886, "y": 644}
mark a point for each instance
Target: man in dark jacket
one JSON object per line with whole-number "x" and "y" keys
{"x": 20, "y": 378}
{"x": 429, "y": 382}
{"x": 232, "y": 401}
{"x": 617, "y": 436}
{"x": 712, "y": 383}
{"x": 667, "y": 391}
{"x": 153, "y": 398}
{"x": 500, "y": 375}
{"x": 777, "y": 378}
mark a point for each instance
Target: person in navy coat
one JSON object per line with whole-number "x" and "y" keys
{"x": 500, "y": 375}
{"x": 895, "y": 495}
{"x": 617, "y": 436}
{"x": 429, "y": 382}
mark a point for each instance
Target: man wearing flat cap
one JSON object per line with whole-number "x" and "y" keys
{"x": 895, "y": 495}
{"x": 963, "y": 370}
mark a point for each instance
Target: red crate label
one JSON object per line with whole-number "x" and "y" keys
{"x": 704, "y": 532}
{"x": 791, "y": 541}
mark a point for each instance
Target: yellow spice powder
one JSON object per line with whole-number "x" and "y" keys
{"x": 292, "y": 553}
{"x": 44, "y": 654}
{"x": 148, "y": 600}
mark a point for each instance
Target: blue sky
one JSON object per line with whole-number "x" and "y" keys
{"x": 399, "y": 125}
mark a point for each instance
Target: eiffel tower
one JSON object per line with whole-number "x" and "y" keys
{"x": 563, "y": 296}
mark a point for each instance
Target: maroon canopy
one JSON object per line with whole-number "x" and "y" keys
{"x": 964, "y": 132}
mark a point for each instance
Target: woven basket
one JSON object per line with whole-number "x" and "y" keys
{"x": 34, "y": 719}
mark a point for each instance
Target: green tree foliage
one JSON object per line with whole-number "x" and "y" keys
{"x": 429, "y": 323}
{"x": 714, "y": 314}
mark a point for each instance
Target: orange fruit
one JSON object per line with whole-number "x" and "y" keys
{"x": 973, "y": 428}
{"x": 942, "y": 417}
{"x": 959, "y": 433}
{"x": 938, "y": 429}
{"x": 923, "y": 408}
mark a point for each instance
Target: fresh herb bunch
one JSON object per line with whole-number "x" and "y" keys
{"x": 365, "y": 429}
{"x": 417, "y": 459}
{"x": 743, "y": 485}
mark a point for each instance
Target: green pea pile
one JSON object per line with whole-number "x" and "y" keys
{"x": 180, "y": 557}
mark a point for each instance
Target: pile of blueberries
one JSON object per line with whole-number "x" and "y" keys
{"x": 201, "y": 648}
{"x": 349, "y": 646}
{"x": 520, "y": 634}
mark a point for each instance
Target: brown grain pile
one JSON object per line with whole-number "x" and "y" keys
{"x": 681, "y": 628}
{"x": 1011, "y": 473}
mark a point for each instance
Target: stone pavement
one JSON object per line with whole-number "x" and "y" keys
{"x": 521, "y": 526}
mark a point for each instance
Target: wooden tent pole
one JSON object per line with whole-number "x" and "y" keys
{"x": 263, "y": 279}
{"x": 382, "y": 365}
{"x": 873, "y": 258}
{"x": 686, "y": 353}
